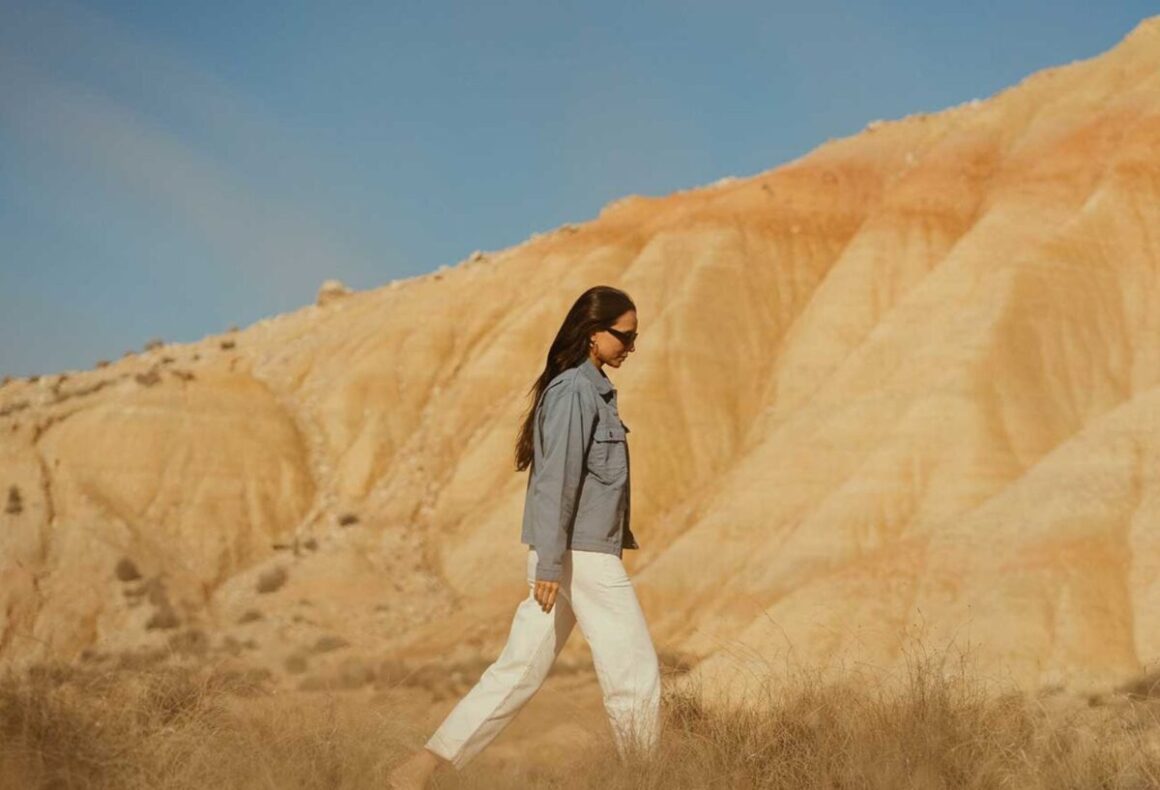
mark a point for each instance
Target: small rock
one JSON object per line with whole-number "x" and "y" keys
{"x": 330, "y": 291}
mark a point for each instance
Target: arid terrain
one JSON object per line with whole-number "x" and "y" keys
{"x": 903, "y": 390}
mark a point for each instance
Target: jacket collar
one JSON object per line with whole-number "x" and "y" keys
{"x": 603, "y": 385}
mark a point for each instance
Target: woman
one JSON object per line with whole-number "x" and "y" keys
{"x": 576, "y": 525}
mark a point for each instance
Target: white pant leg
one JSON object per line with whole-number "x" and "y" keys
{"x": 613, "y": 623}
{"x": 535, "y": 640}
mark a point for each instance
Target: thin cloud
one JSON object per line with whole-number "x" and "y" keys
{"x": 96, "y": 97}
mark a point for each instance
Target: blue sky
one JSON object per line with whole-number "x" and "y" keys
{"x": 170, "y": 169}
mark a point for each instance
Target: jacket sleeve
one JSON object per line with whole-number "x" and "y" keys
{"x": 563, "y": 428}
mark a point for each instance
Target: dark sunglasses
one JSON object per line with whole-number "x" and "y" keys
{"x": 628, "y": 338}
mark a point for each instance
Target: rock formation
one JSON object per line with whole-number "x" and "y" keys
{"x": 906, "y": 385}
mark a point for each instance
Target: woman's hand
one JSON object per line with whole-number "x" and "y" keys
{"x": 546, "y": 594}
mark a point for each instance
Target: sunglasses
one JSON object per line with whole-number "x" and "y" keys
{"x": 627, "y": 338}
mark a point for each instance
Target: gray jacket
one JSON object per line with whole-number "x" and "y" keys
{"x": 578, "y": 494}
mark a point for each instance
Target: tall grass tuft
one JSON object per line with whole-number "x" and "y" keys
{"x": 932, "y": 725}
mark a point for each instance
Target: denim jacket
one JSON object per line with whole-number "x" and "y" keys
{"x": 578, "y": 493}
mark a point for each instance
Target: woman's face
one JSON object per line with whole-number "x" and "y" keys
{"x": 610, "y": 349}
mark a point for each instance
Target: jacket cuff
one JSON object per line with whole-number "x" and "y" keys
{"x": 548, "y": 574}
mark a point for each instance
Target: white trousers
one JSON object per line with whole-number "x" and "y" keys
{"x": 595, "y": 592}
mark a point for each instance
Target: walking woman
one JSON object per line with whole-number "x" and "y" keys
{"x": 576, "y": 525}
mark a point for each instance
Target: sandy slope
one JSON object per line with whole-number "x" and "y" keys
{"x": 905, "y": 385}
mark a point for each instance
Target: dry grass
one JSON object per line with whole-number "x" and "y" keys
{"x": 931, "y": 727}
{"x": 69, "y": 726}
{"x": 66, "y": 726}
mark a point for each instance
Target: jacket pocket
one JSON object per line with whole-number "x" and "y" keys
{"x": 609, "y": 458}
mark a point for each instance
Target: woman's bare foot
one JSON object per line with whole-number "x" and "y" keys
{"x": 414, "y": 772}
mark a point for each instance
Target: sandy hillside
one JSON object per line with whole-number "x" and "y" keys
{"x": 906, "y": 386}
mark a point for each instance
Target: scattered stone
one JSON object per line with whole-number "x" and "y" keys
{"x": 330, "y": 291}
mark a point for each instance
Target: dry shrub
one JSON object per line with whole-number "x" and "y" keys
{"x": 47, "y": 737}
{"x": 1147, "y": 686}
{"x": 329, "y": 642}
{"x": 62, "y": 726}
{"x": 272, "y": 579}
{"x": 929, "y": 726}
{"x": 15, "y": 503}
{"x": 250, "y": 615}
{"x": 148, "y": 378}
{"x": 191, "y": 641}
{"x": 164, "y": 618}
{"x": 674, "y": 662}
{"x": 12, "y": 408}
{"x": 126, "y": 570}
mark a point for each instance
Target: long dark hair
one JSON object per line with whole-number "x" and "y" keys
{"x": 595, "y": 309}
